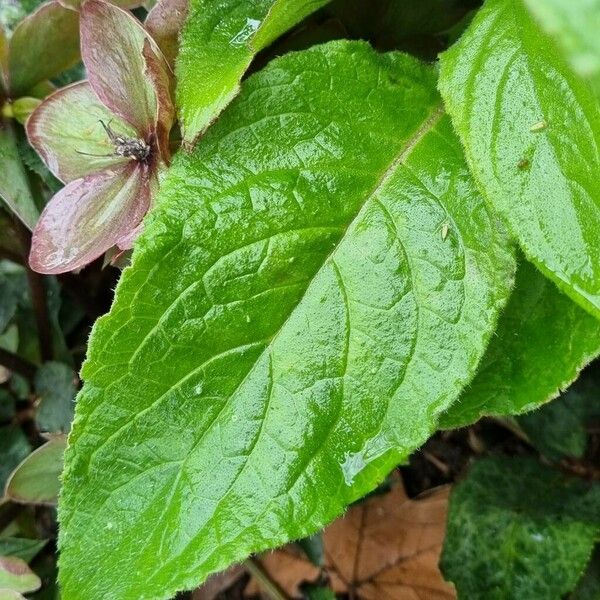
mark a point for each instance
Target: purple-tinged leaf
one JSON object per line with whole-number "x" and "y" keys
{"x": 113, "y": 42}
{"x": 15, "y": 575}
{"x": 14, "y": 188}
{"x": 43, "y": 45}
{"x": 165, "y": 107}
{"x": 164, "y": 22}
{"x": 89, "y": 216}
{"x": 67, "y": 128}
{"x": 76, "y": 4}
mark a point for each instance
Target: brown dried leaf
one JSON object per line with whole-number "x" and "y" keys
{"x": 386, "y": 548}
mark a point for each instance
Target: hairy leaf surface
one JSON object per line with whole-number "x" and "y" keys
{"x": 531, "y": 129}
{"x": 517, "y": 529}
{"x": 218, "y": 43}
{"x": 317, "y": 283}
{"x": 542, "y": 342}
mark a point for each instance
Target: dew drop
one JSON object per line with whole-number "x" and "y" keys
{"x": 354, "y": 463}
{"x": 244, "y": 34}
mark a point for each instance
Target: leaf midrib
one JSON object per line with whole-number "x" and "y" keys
{"x": 435, "y": 115}
{"x": 428, "y": 124}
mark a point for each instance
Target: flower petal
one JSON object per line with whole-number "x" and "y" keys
{"x": 43, "y": 44}
{"x": 164, "y": 22}
{"x": 165, "y": 108}
{"x": 87, "y": 217}
{"x": 76, "y": 4}
{"x": 66, "y": 128}
{"x": 112, "y": 43}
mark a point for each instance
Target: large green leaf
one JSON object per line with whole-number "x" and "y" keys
{"x": 575, "y": 24}
{"x": 14, "y": 187}
{"x": 519, "y": 530}
{"x": 531, "y": 130}
{"x": 317, "y": 283}
{"x": 218, "y": 43}
{"x": 542, "y": 341}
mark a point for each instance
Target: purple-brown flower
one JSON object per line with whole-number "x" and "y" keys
{"x": 105, "y": 138}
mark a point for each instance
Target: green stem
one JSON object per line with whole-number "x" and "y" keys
{"x": 39, "y": 299}
{"x": 269, "y": 587}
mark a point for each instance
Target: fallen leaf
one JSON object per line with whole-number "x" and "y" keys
{"x": 217, "y": 583}
{"x": 386, "y": 548}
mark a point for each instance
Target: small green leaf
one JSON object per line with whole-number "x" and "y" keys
{"x": 36, "y": 479}
{"x": 291, "y": 325}
{"x": 542, "y": 342}
{"x": 11, "y": 595}
{"x": 55, "y": 385}
{"x": 43, "y": 45}
{"x": 21, "y": 109}
{"x": 16, "y": 576}
{"x": 31, "y": 159}
{"x": 14, "y": 187}
{"x": 575, "y": 25}
{"x": 218, "y": 43}
{"x": 558, "y": 429}
{"x": 312, "y": 546}
{"x": 519, "y": 530}
{"x": 7, "y": 406}
{"x": 14, "y": 447}
{"x": 531, "y": 130}
{"x": 24, "y": 548}
{"x": 8, "y": 302}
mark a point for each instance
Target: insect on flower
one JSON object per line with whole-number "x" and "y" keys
{"x": 126, "y": 147}
{"x": 106, "y": 138}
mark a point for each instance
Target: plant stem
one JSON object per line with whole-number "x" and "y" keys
{"x": 40, "y": 308}
{"x": 15, "y": 363}
{"x": 510, "y": 424}
{"x": 270, "y": 587}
